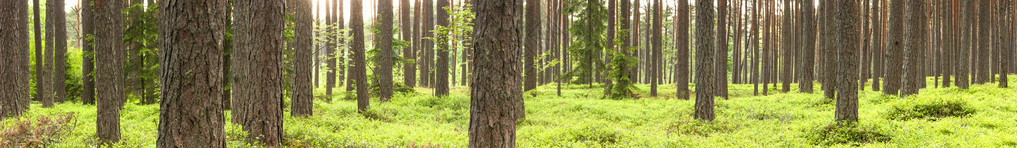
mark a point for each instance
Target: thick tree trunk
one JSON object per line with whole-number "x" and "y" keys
{"x": 259, "y": 29}
{"x": 704, "y": 61}
{"x": 109, "y": 70}
{"x": 984, "y": 38}
{"x": 497, "y": 78}
{"x": 894, "y": 57}
{"x": 787, "y": 45}
{"x": 303, "y": 89}
{"x": 191, "y": 45}
{"x": 808, "y": 51}
{"x": 915, "y": 44}
{"x": 442, "y": 69}
{"x": 847, "y": 84}
{"x": 682, "y": 69}
{"x": 13, "y": 39}
{"x": 963, "y": 66}
{"x": 830, "y": 49}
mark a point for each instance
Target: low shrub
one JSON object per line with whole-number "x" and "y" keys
{"x": 929, "y": 109}
{"x": 700, "y": 128}
{"x": 45, "y": 131}
{"x": 852, "y": 134}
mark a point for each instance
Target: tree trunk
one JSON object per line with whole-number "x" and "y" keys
{"x": 756, "y": 22}
{"x": 303, "y": 89}
{"x": 532, "y": 33}
{"x": 13, "y": 38}
{"x": 409, "y": 71}
{"x": 915, "y": 44}
{"x": 682, "y": 69}
{"x": 984, "y": 38}
{"x": 634, "y": 34}
{"x": 43, "y": 89}
{"x": 704, "y": 61}
{"x": 894, "y": 57}
{"x": 191, "y": 45}
{"x": 442, "y": 68}
{"x": 259, "y": 32}
{"x": 877, "y": 44}
{"x": 385, "y": 40}
{"x": 847, "y": 84}
{"x": 787, "y": 45}
{"x": 109, "y": 71}
{"x": 428, "y": 52}
{"x": 330, "y": 46}
{"x": 963, "y": 66}
{"x": 87, "y": 66}
{"x": 809, "y": 43}
{"x": 496, "y": 82}
{"x": 359, "y": 67}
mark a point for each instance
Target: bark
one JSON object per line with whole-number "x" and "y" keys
{"x": 611, "y": 15}
{"x": 894, "y": 57}
{"x": 191, "y": 38}
{"x": 915, "y": 44}
{"x": 59, "y": 54}
{"x": 428, "y": 45}
{"x": 359, "y": 68}
{"x": 303, "y": 93}
{"x": 109, "y": 69}
{"x": 656, "y": 68}
{"x": 704, "y": 61}
{"x": 809, "y": 43}
{"x": 385, "y": 40}
{"x": 787, "y": 45}
{"x": 88, "y": 81}
{"x": 984, "y": 38}
{"x": 409, "y": 71}
{"x": 847, "y": 84}
{"x": 13, "y": 38}
{"x": 330, "y": 46}
{"x": 497, "y": 78}
{"x": 877, "y": 44}
{"x": 261, "y": 113}
{"x": 532, "y": 33}
{"x": 682, "y": 69}
{"x": 48, "y": 56}
{"x": 756, "y": 22}
{"x": 43, "y": 89}
{"x": 963, "y": 66}
{"x": 829, "y": 50}
{"x": 634, "y": 70}
{"x": 442, "y": 69}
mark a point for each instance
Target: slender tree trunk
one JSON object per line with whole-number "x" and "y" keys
{"x": 442, "y": 68}
{"x": 410, "y": 78}
{"x": 532, "y": 32}
{"x": 704, "y": 61}
{"x": 427, "y": 60}
{"x": 87, "y": 29}
{"x": 963, "y": 66}
{"x": 191, "y": 45}
{"x": 877, "y": 44}
{"x": 847, "y": 86}
{"x": 385, "y": 40}
{"x": 682, "y": 69}
{"x": 895, "y": 53}
{"x": 787, "y": 45}
{"x": 330, "y": 46}
{"x": 303, "y": 89}
{"x": 359, "y": 67}
{"x": 43, "y": 89}
{"x": 655, "y": 57}
{"x": 809, "y": 36}
{"x": 634, "y": 70}
{"x": 756, "y": 22}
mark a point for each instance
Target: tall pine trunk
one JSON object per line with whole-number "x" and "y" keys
{"x": 703, "y": 109}
{"x": 847, "y": 58}
{"x": 303, "y": 89}
{"x": 496, "y": 81}
{"x": 109, "y": 69}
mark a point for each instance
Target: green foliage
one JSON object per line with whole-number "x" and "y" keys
{"x": 142, "y": 32}
{"x": 589, "y": 33}
{"x": 851, "y": 134}
{"x": 929, "y": 108}
{"x": 700, "y": 128}
{"x": 622, "y": 86}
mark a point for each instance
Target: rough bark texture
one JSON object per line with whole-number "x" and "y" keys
{"x": 720, "y": 52}
{"x": 60, "y": 48}
{"x": 984, "y": 38}
{"x": 261, "y": 73}
{"x": 330, "y": 46}
{"x": 756, "y": 22}
{"x": 385, "y": 41}
{"x": 847, "y": 72}
{"x": 829, "y": 50}
{"x": 109, "y": 69}
{"x": 808, "y": 51}
{"x": 532, "y": 44}
{"x": 359, "y": 68}
{"x": 877, "y": 44}
{"x": 964, "y": 51}
{"x": 48, "y": 56}
{"x": 43, "y": 89}
{"x": 496, "y": 81}
{"x": 303, "y": 89}
{"x": 87, "y": 66}
{"x": 704, "y": 61}
{"x": 894, "y": 57}
{"x": 428, "y": 45}
{"x": 656, "y": 66}
{"x": 12, "y": 98}
{"x": 787, "y": 48}
{"x": 442, "y": 68}
{"x": 191, "y": 37}
{"x": 914, "y": 45}
{"x": 409, "y": 71}
{"x": 682, "y": 69}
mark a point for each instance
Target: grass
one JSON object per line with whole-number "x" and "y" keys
{"x": 580, "y": 118}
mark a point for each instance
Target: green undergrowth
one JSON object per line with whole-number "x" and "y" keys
{"x": 982, "y": 116}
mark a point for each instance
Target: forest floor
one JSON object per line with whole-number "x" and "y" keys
{"x": 983, "y": 116}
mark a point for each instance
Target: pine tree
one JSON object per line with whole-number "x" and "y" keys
{"x": 847, "y": 86}
{"x": 191, "y": 76}
{"x": 109, "y": 69}
{"x": 682, "y": 69}
{"x": 303, "y": 89}
{"x": 532, "y": 44}
{"x": 42, "y": 76}
{"x": 808, "y": 49}
{"x": 704, "y": 61}
{"x": 894, "y": 57}
{"x": 915, "y": 44}
{"x": 495, "y": 83}
{"x": 385, "y": 42}
{"x": 260, "y": 112}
